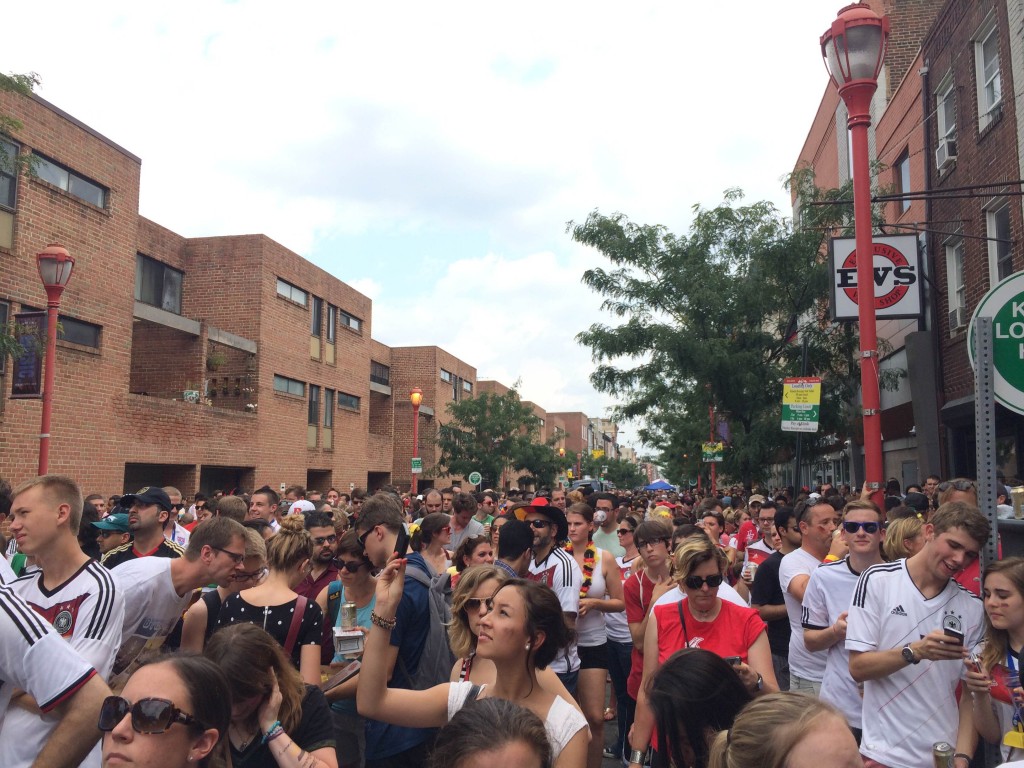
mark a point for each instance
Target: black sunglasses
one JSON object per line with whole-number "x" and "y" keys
{"x": 623, "y": 531}
{"x": 148, "y": 715}
{"x": 321, "y": 540}
{"x": 361, "y": 538}
{"x": 852, "y": 527}
{"x": 538, "y": 524}
{"x": 349, "y": 565}
{"x": 696, "y": 582}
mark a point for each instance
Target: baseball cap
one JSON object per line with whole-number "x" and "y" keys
{"x": 148, "y": 495}
{"x": 813, "y": 496}
{"x": 116, "y": 522}
{"x": 757, "y": 498}
{"x": 916, "y": 501}
{"x": 301, "y": 506}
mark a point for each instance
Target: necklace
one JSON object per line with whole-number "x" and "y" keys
{"x": 244, "y": 742}
{"x": 589, "y": 561}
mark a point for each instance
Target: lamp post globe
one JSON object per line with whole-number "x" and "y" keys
{"x": 416, "y": 398}
{"x": 55, "y": 266}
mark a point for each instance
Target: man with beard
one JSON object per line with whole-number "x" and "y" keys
{"x": 148, "y": 513}
{"x": 320, "y": 526}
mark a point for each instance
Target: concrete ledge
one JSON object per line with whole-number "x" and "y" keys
{"x": 231, "y": 340}
{"x": 163, "y": 317}
{"x": 384, "y": 389}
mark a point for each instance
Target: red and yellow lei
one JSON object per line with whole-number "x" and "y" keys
{"x": 589, "y": 561}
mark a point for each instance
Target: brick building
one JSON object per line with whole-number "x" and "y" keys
{"x": 205, "y": 363}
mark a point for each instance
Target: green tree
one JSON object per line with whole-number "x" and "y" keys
{"x": 624, "y": 474}
{"x": 707, "y": 319}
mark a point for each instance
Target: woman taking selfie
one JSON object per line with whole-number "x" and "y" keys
{"x": 292, "y": 620}
{"x": 277, "y": 721}
{"x": 522, "y": 631}
{"x": 171, "y": 714}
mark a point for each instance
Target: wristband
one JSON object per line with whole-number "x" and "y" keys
{"x": 380, "y": 621}
{"x": 273, "y": 727}
{"x": 279, "y": 731}
{"x": 637, "y": 756}
{"x": 964, "y": 756}
{"x": 831, "y": 559}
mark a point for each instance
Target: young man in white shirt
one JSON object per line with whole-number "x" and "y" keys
{"x": 827, "y": 605}
{"x": 908, "y": 632}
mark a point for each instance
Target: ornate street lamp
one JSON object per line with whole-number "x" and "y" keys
{"x": 415, "y": 397}
{"x": 55, "y": 266}
{"x": 854, "y": 50}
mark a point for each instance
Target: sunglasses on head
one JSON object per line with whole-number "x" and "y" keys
{"x": 696, "y": 582}
{"x": 852, "y": 527}
{"x": 148, "y": 715}
{"x": 349, "y": 565}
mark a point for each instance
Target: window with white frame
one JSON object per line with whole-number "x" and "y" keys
{"x": 291, "y": 292}
{"x": 945, "y": 108}
{"x": 986, "y": 70}
{"x": 955, "y": 289}
{"x": 902, "y": 174}
{"x": 446, "y": 375}
{"x": 1000, "y": 257}
{"x": 350, "y": 321}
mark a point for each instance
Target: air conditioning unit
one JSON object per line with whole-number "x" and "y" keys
{"x": 957, "y": 318}
{"x": 945, "y": 155}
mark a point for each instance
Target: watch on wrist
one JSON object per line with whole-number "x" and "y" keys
{"x": 908, "y": 654}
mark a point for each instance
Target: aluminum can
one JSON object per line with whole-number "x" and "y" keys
{"x": 942, "y": 754}
{"x": 348, "y": 615}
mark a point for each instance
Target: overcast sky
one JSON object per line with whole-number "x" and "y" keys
{"x": 430, "y": 154}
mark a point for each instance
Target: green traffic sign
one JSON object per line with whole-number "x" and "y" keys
{"x": 1005, "y": 305}
{"x": 475, "y": 478}
{"x": 417, "y": 466}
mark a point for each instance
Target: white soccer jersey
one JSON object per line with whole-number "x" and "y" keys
{"x": 807, "y": 664}
{"x": 33, "y": 657}
{"x": 915, "y": 706}
{"x": 151, "y": 609}
{"x": 829, "y": 593}
{"x": 560, "y": 571}
{"x": 87, "y": 611}
{"x": 7, "y": 574}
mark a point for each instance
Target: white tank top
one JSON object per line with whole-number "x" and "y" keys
{"x": 590, "y": 630}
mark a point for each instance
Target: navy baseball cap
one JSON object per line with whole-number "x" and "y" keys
{"x": 146, "y": 496}
{"x": 117, "y": 522}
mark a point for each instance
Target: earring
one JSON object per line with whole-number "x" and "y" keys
{"x": 527, "y": 646}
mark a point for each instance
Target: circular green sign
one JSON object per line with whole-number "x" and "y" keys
{"x": 475, "y": 478}
{"x": 1005, "y": 305}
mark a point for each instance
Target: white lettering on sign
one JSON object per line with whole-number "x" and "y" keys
{"x": 1018, "y": 308}
{"x": 1014, "y": 331}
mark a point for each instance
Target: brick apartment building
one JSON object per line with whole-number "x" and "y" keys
{"x": 291, "y": 387}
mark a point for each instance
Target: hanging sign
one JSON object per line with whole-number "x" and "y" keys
{"x": 27, "y": 373}
{"x": 1005, "y": 305}
{"x": 897, "y": 271}
{"x": 801, "y": 401}
{"x": 711, "y": 452}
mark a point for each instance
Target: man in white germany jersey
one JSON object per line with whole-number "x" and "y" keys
{"x": 70, "y": 590}
{"x": 827, "y": 605}
{"x": 908, "y": 631}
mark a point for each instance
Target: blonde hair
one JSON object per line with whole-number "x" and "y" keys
{"x": 289, "y": 546}
{"x": 767, "y": 730}
{"x": 460, "y": 638}
{"x": 997, "y": 641}
{"x": 897, "y": 533}
{"x": 60, "y": 489}
{"x": 255, "y": 546}
{"x": 696, "y": 550}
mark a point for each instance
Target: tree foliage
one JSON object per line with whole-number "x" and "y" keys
{"x": 706, "y": 319}
{"x": 625, "y": 474}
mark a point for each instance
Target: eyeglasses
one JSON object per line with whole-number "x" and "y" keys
{"x": 696, "y": 582}
{"x": 538, "y": 524}
{"x": 851, "y": 527}
{"x": 148, "y": 715}
{"x": 321, "y": 540}
{"x": 238, "y": 557}
{"x": 766, "y": 520}
{"x": 652, "y": 542}
{"x": 349, "y": 565}
{"x": 250, "y": 575}
{"x": 474, "y": 603}
{"x": 623, "y": 531}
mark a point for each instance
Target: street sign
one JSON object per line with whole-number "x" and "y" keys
{"x": 896, "y": 262}
{"x": 417, "y": 466}
{"x": 475, "y": 478}
{"x": 801, "y": 401}
{"x": 712, "y": 452}
{"x": 1005, "y": 305}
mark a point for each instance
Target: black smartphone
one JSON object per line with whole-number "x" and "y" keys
{"x": 339, "y": 677}
{"x": 949, "y": 632}
{"x": 733, "y": 661}
{"x": 402, "y": 542}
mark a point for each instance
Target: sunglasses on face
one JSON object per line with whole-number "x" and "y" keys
{"x": 363, "y": 536}
{"x": 623, "y": 531}
{"x": 473, "y": 603}
{"x": 539, "y": 524}
{"x": 105, "y": 534}
{"x": 652, "y": 542}
{"x": 696, "y": 582}
{"x": 148, "y": 715}
{"x": 349, "y": 565}
{"x": 321, "y": 540}
{"x": 852, "y": 527}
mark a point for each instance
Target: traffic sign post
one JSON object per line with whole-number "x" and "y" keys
{"x": 417, "y": 466}
{"x": 475, "y": 478}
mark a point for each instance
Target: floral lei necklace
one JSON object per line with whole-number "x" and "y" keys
{"x": 589, "y": 561}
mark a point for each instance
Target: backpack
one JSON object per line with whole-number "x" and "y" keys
{"x": 436, "y": 659}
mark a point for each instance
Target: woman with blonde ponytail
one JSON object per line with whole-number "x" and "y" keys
{"x": 786, "y": 730}
{"x": 276, "y": 607}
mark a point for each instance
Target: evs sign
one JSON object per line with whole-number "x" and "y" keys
{"x": 897, "y": 271}
{"x": 1005, "y": 305}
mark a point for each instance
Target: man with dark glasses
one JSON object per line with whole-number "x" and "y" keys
{"x": 320, "y": 526}
{"x": 827, "y": 603}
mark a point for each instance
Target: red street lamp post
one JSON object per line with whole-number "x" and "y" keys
{"x": 55, "y": 266}
{"x": 415, "y": 397}
{"x": 853, "y": 50}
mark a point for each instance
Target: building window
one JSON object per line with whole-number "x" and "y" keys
{"x": 157, "y": 284}
{"x": 350, "y": 321}
{"x": 314, "y": 405}
{"x": 902, "y": 173}
{"x": 380, "y": 373}
{"x": 945, "y": 110}
{"x": 292, "y": 293}
{"x": 316, "y": 317}
{"x": 332, "y": 323}
{"x": 467, "y": 386}
{"x": 986, "y": 68}
{"x": 446, "y": 376}
{"x": 328, "y": 409}
{"x": 348, "y": 402}
{"x": 1000, "y": 258}
{"x": 5, "y": 313}
{"x": 79, "y": 332}
{"x": 71, "y": 182}
{"x": 8, "y": 174}
{"x": 289, "y": 386}
{"x": 957, "y": 293}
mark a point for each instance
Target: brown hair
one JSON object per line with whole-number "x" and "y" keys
{"x": 216, "y": 532}
{"x": 466, "y": 549}
{"x": 232, "y": 506}
{"x": 289, "y": 546}
{"x": 997, "y": 641}
{"x": 960, "y": 514}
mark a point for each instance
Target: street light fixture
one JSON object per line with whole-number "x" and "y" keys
{"x": 854, "y": 49}
{"x": 55, "y": 266}
{"x": 415, "y": 397}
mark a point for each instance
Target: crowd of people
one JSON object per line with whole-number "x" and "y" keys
{"x": 784, "y": 628}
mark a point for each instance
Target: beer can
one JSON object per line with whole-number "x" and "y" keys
{"x": 942, "y": 754}
{"x": 348, "y": 615}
